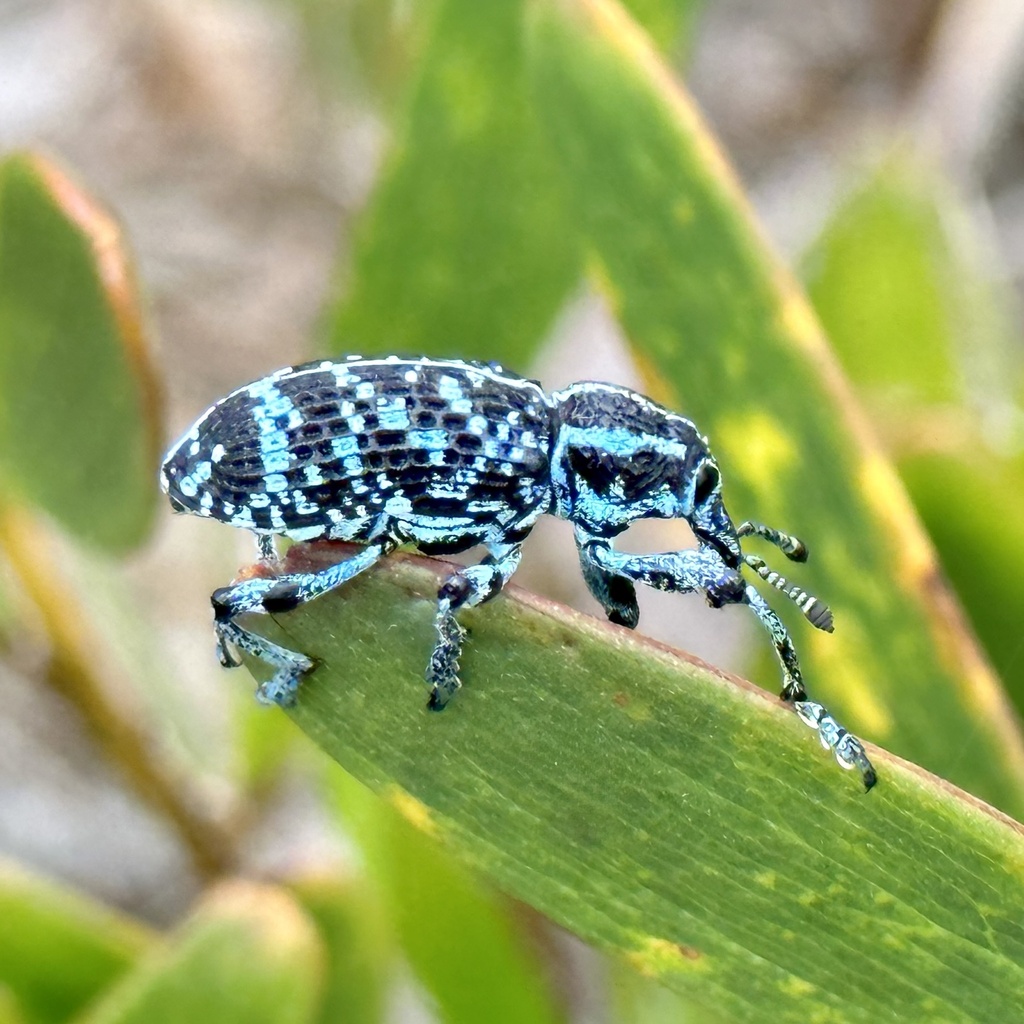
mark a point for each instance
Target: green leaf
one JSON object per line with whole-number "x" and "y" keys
{"x": 660, "y": 810}
{"x": 467, "y": 247}
{"x": 971, "y": 507}
{"x": 667, "y": 22}
{"x": 919, "y": 324}
{"x": 458, "y": 936}
{"x": 722, "y": 334}
{"x": 359, "y": 955}
{"x": 641, "y": 1000}
{"x": 248, "y": 955}
{"x": 58, "y": 949}
{"x": 78, "y": 399}
{"x": 10, "y": 1011}
{"x": 881, "y": 280}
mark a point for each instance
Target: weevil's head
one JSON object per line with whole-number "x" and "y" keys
{"x": 619, "y": 457}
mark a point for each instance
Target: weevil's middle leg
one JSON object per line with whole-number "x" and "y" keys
{"x": 468, "y": 587}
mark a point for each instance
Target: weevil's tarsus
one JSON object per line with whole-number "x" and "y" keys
{"x": 849, "y": 751}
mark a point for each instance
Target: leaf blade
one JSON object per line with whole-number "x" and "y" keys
{"x": 465, "y": 248}
{"x": 79, "y": 403}
{"x": 58, "y": 950}
{"x": 248, "y": 955}
{"x": 662, "y": 812}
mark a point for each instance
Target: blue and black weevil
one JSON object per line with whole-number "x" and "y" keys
{"x": 448, "y": 454}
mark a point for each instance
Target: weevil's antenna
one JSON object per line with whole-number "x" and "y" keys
{"x": 792, "y": 547}
{"x": 818, "y": 613}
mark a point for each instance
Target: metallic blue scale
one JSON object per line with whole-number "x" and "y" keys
{"x": 445, "y": 455}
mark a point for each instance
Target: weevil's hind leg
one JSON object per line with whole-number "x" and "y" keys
{"x": 281, "y": 687}
{"x": 468, "y": 587}
{"x": 279, "y": 594}
{"x": 849, "y": 751}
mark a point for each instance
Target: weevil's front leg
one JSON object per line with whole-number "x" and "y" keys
{"x": 849, "y": 751}
{"x": 686, "y": 571}
{"x": 279, "y": 594}
{"x": 468, "y": 587}
{"x": 614, "y": 591}
{"x": 703, "y": 569}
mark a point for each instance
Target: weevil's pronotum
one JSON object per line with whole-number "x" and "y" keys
{"x": 445, "y": 455}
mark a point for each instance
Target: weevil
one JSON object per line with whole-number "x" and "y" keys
{"x": 446, "y": 455}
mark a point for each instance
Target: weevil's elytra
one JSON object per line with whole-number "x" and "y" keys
{"x": 447, "y": 454}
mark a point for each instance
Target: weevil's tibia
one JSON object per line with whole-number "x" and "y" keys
{"x": 817, "y": 612}
{"x": 443, "y": 667}
{"x": 792, "y": 547}
{"x": 847, "y": 748}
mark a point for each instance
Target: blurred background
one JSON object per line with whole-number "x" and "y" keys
{"x": 240, "y": 144}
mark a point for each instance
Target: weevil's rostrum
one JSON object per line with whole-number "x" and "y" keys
{"x": 445, "y": 455}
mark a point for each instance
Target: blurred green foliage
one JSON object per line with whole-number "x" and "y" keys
{"x": 248, "y": 955}
{"x": 537, "y": 145}
{"x": 898, "y": 279}
{"x": 58, "y": 949}
{"x": 468, "y": 197}
{"x": 78, "y": 412}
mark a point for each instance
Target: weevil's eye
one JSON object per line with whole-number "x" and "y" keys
{"x": 706, "y": 482}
